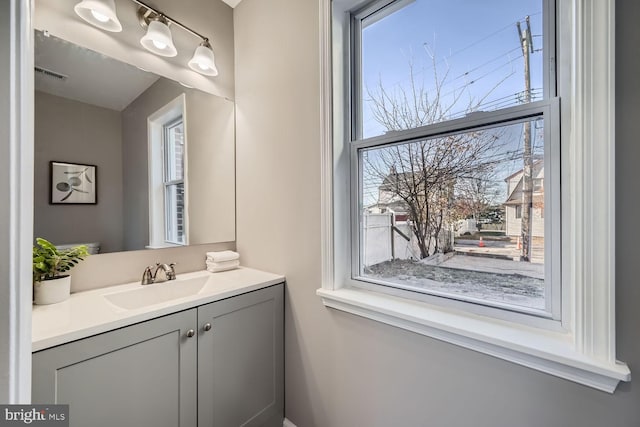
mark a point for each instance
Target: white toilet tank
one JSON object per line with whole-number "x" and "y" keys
{"x": 93, "y": 247}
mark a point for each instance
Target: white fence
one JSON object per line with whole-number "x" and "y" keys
{"x": 378, "y": 245}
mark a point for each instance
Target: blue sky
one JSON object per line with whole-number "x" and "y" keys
{"x": 466, "y": 36}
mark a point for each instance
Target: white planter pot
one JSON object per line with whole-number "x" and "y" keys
{"x": 52, "y": 291}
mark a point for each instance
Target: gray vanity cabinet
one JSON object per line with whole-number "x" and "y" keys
{"x": 240, "y": 361}
{"x": 140, "y": 375}
{"x": 218, "y": 365}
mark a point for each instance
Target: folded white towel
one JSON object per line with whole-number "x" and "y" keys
{"x": 232, "y": 263}
{"x": 215, "y": 267}
{"x": 222, "y": 256}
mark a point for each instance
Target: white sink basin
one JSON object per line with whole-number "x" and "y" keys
{"x": 156, "y": 293}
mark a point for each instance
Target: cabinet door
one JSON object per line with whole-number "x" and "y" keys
{"x": 240, "y": 360}
{"x": 142, "y": 375}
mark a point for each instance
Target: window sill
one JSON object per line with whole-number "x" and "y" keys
{"x": 164, "y": 245}
{"x": 546, "y": 351}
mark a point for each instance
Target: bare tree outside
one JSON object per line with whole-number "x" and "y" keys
{"x": 426, "y": 173}
{"x": 475, "y": 196}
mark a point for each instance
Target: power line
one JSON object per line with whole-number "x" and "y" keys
{"x": 476, "y": 79}
{"x": 487, "y": 62}
{"x": 510, "y": 25}
{"x": 514, "y": 96}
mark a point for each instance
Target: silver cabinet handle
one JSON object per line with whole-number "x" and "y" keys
{"x": 191, "y": 333}
{"x": 207, "y": 326}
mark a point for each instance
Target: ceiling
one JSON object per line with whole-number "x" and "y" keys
{"x": 118, "y": 83}
{"x": 232, "y": 3}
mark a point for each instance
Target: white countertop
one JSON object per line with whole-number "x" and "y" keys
{"x": 89, "y": 313}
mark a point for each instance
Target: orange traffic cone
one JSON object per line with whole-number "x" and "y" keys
{"x": 481, "y": 243}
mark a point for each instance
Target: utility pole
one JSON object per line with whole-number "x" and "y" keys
{"x": 526, "y": 42}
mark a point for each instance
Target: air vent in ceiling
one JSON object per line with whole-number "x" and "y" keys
{"x": 50, "y": 73}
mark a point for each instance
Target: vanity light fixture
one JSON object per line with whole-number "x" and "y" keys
{"x": 158, "y": 38}
{"x": 203, "y": 60}
{"x": 101, "y": 13}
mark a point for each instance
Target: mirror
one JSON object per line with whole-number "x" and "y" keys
{"x": 162, "y": 154}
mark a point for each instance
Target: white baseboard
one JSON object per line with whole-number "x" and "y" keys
{"x": 287, "y": 423}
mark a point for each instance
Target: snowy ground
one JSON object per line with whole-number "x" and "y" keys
{"x": 504, "y": 248}
{"x": 491, "y": 279}
{"x": 467, "y": 261}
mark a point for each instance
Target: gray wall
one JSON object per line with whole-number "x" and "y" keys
{"x": 342, "y": 370}
{"x": 75, "y": 132}
{"x": 211, "y": 168}
{"x": 210, "y": 164}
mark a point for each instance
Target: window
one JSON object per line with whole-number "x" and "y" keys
{"x": 538, "y": 185}
{"x": 173, "y": 181}
{"x": 570, "y": 333}
{"x": 455, "y": 126}
{"x": 518, "y": 211}
{"x": 168, "y": 225}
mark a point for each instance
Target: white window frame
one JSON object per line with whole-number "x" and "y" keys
{"x": 156, "y": 124}
{"x": 583, "y": 350}
{"x": 549, "y": 317}
{"x": 170, "y": 209}
{"x": 548, "y": 109}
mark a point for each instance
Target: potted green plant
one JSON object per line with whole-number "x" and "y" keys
{"x": 50, "y": 283}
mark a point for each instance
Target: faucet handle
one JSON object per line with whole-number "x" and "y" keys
{"x": 147, "y": 276}
{"x": 171, "y": 274}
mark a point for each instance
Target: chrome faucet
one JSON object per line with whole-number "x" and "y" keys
{"x": 169, "y": 272}
{"x": 149, "y": 277}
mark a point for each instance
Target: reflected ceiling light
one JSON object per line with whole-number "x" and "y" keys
{"x": 99, "y": 13}
{"x": 203, "y": 60}
{"x": 158, "y": 38}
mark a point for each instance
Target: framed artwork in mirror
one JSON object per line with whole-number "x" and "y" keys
{"x": 73, "y": 184}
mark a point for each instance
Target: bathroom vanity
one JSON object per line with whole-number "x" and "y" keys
{"x": 203, "y": 350}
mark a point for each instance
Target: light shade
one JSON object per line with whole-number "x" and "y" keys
{"x": 203, "y": 60}
{"x": 100, "y": 13}
{"x": 158, "y": 39}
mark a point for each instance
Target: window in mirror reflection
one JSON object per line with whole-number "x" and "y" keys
{"x": 168, "y": 216}
{"x": 173, "y": 160}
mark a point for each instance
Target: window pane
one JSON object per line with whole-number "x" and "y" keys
{"x": 174, "y": 152}
{"x": 458, "y": 215}
{"x": 174, "y": 214}
{"x": 431, "y": 61}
